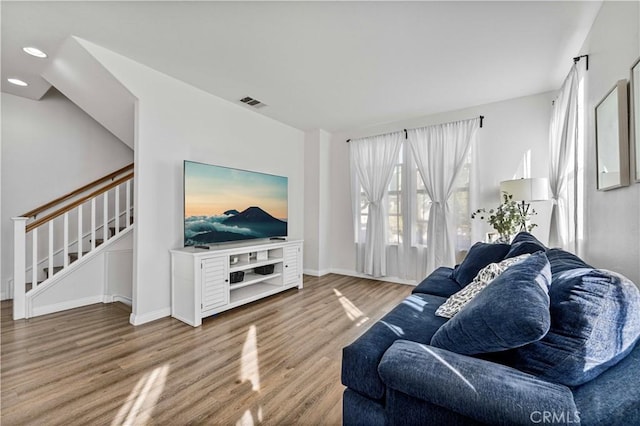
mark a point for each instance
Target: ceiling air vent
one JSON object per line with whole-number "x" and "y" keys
{"x": 252, "y": 102}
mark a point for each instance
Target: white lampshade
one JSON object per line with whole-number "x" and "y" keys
{"x": 531, "y": 189}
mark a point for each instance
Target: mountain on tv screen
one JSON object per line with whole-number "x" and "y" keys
{"x": 222, "y": 204}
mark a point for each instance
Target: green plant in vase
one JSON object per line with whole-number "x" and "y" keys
{"x": 508, "y": 218}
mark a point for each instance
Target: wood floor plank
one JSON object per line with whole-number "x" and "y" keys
{"x": 276, "y": 361}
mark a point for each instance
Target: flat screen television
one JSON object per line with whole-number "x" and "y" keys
{"x": 222, "y": 204}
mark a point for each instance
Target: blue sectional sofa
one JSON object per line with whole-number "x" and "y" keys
{"x": 579, "y": 364}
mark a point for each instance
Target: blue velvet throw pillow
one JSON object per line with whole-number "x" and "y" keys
{"x": 479, "y": 256}
{"x": 512, "y": 311}
{"x": 526, "y": 236}
{"x": 595, "y": 322}
{"x": 524, "y": 243}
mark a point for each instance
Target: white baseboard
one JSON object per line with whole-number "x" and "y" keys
{"x": 110, "y": 298}
{"x": 70, "y": 304}
{"x": 8, "y": 293}
{"x": 122, "y": 299}
{"x": 395, "y": 280}
{"x": 185, "y": 320}
{"x": 316, "y": 273}
{"x": 148, "y": 317}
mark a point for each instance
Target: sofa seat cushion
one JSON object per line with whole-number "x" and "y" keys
{"x": 479, "y": 256}
{"x": 611, "y": 399}
{"x": 512, "y": 311}
{"x": 413, "y": 319}
{"x": 438, "y": 283}
{"x": 595, "y": 322}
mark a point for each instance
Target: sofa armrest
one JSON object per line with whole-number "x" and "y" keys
{"x": 474, "y": 388}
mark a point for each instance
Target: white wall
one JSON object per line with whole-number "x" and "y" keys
{"x": 612, "y": 221}
{"x": 513, "y": 131}
{"x": 176, "y": 122}
{"x": 92, "y": 88}
{"x": 49, "y": 147}
{"x": 316, "y": 202}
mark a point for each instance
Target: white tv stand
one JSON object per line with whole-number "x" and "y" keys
{"x": 201, "y": 279}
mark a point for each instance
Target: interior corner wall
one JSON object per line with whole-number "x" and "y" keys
{"x": 49, "y": 147}
{"x": 612, "y": 219}
{"x": 513, "y": 143}
{"x": 316, "y": 202}
{"x": 177, "y": 122}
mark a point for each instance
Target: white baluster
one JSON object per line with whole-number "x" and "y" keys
{"x": 93, "y": 223}
{"x": 105, "y": 213}
{"x": 128, "y": 203}
{"x": 19, "y": 264}
{"x": 116, "y": 213}
{"x": 34, "y": 258}
{"x": 65, "y": 239}
{"x": 79, "y": 243}
{"x": 51, "y": 248}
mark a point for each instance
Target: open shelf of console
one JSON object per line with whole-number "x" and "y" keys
{"x": 252, "y": 279}
{"x": 248, "y": 294}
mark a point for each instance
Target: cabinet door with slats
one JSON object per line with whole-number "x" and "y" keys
{"x": 291, "y": 265}
{"x": 215, "y": 282}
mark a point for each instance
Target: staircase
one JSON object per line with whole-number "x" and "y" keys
{"x": 58, "y": 238}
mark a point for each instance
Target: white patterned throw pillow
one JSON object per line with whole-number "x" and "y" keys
{"x": 459, "y": 300}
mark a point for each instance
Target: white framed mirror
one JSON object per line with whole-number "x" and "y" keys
{"x": 612, "y": 139}
{"x": 635, "y": 120}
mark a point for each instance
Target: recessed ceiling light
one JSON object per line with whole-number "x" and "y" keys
{"x": 33, "y": 51}
{"x": 17, "y": 82}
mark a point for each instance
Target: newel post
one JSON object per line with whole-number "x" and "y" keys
{"x": 19, "y": 266}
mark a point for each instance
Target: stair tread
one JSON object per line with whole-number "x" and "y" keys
{"x": 29, "y": 286}
{"x": 56, "y": 269}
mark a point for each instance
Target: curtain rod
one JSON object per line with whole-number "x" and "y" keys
{"x": 577, "y": 59}
{"x": 405, "y": 130}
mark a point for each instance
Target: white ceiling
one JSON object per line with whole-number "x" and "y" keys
{"x": 329, "y": 65}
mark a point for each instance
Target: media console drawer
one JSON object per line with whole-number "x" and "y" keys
{"x": 206, "y": 282}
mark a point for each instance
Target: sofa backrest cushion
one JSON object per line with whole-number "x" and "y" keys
{"x": 561, "y": 261}
{"x": 524, "y": 243}
{"x": 479, "y": 256}
{"x": 510, "y": 312}
{"x": 595, "y": 322}
{"x": 438, "y": 283}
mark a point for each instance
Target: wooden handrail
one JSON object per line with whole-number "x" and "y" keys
{"x": 76, "y": 203}
{"x": 76, "y": 192}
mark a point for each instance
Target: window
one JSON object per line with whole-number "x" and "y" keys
{"x": 408, "y": 205}
{"x": 393, "y": 201}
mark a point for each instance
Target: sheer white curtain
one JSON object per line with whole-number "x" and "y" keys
{"x": 440, "y": 152}
{"x": 372, "y": 162}
{"x": 563, "y": 133}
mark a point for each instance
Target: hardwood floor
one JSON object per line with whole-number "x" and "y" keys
{"x": 276, "y": 361}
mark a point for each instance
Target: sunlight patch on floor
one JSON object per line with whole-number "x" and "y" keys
{"x": 142, "y": 399}
{"x": 352, "y": 311}
{"x": 250, "y": 372}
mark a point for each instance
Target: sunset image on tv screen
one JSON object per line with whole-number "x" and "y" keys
{"x": 222, "y": 204}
